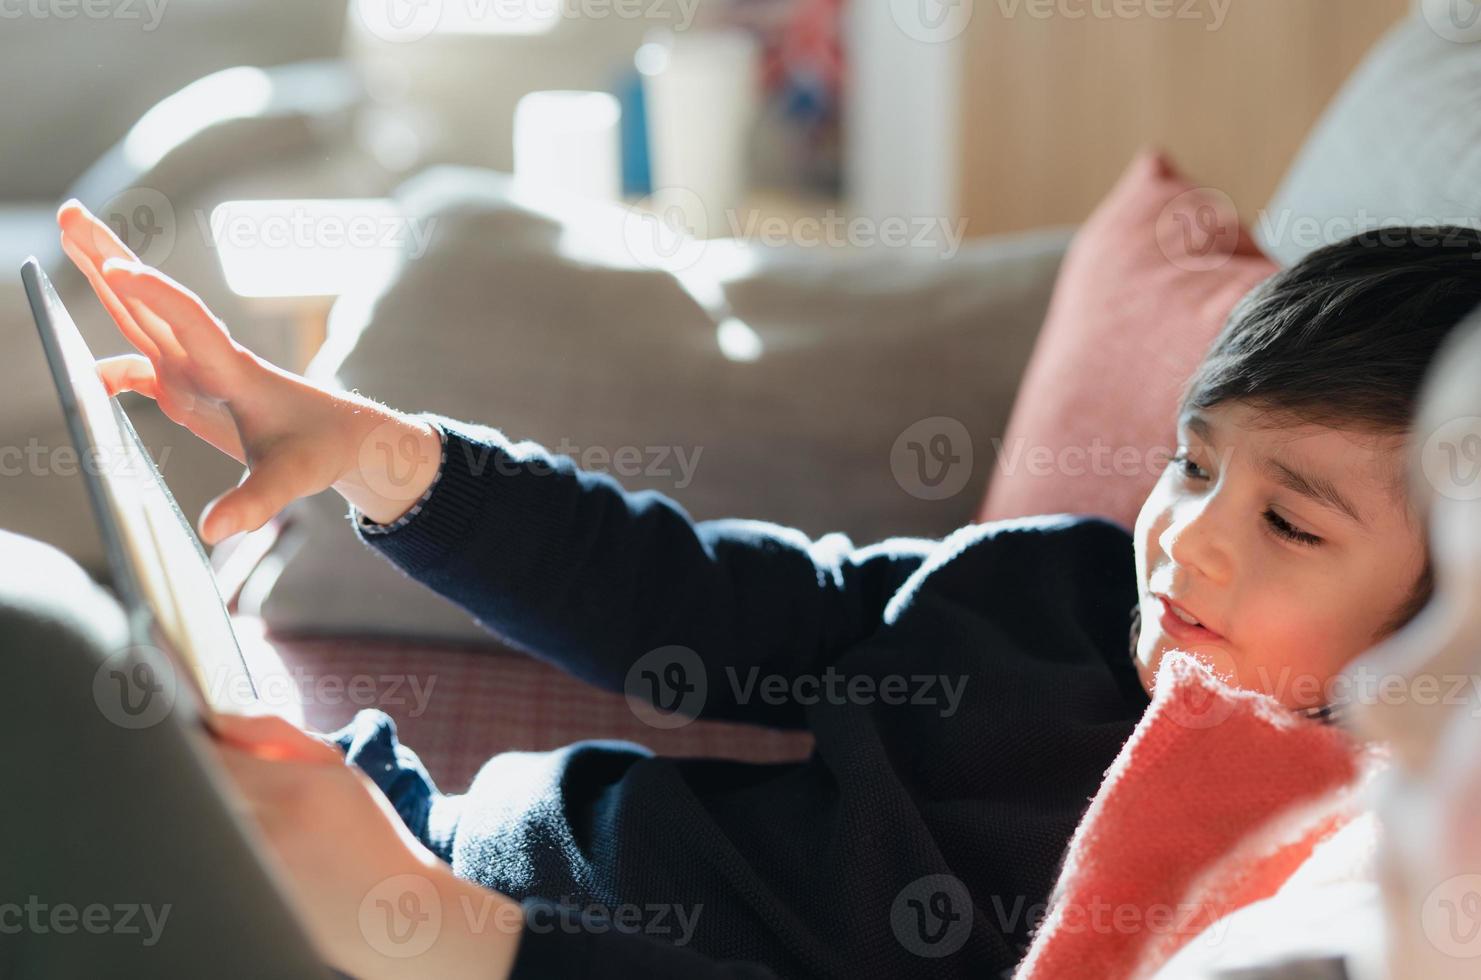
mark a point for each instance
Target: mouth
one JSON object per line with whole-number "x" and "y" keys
{"x": 1180, "y": 624}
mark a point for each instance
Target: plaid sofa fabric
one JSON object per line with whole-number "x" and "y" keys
{"x": 459, "y": 704}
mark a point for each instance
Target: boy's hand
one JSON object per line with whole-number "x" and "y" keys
{"x": 295, "y": 437}
{"x": 375, "y": 902}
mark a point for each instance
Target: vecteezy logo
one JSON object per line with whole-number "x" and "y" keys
{"x": 666, "y": 688}
{"x": 1454, "y": 20}
{"x": 932, "y": 21}
{"x": 1451, "y": 459}
{"x": 389, "y": 459}
{"x": 400, "y": 21}
{"x": 1201, "y": 705}
{"x": 401, "y": 917}
{"x": 1198, "y": 231}
{"x": 1451, "y": 916}
{"x": 144, "y": 220}
{"x": 932, "y": 458}
{"x": 932, "y": 916}
{"x": 667, "y": 230}
{"x": 135, "y": 687}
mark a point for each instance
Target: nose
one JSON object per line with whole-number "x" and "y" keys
{"x": 1195, "y": 539}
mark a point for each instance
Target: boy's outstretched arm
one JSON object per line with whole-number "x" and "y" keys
{"x": 624, "y": 590}
{"x": 562, "y": 562}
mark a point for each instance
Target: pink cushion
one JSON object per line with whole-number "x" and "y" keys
{"x": 1145, "y": 287}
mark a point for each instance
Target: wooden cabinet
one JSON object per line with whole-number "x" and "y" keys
{"x": 1058, "y": 95}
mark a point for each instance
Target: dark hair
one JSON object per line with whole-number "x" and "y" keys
{"x": 1345, "y": 338}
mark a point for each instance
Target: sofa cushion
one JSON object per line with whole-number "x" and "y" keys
{"x": 459, "y": 704}
{"x": 1400, "y": 145}
{"x": 542, "y": 319}
{"x": 1147, "y": 283}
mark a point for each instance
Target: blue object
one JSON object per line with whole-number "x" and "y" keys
{"x": 637, "y": 170}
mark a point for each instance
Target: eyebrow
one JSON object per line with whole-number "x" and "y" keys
{"x": 1313, "y": 487}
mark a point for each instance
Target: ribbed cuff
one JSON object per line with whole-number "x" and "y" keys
{"x": 441, "y": 521}
{"x": 367, "y": 526}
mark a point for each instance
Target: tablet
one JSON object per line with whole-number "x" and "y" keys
{"x": 160, "y": 571}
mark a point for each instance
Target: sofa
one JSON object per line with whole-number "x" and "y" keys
{"x": 537, "y": 316}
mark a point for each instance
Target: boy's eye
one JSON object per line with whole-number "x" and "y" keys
{"x": 1189, "y": 468}
{"x": 1282, "y": 528}
{"x": 1278, "y": 525}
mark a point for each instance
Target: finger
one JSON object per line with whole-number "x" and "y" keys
{"x": 120, "y": 314}
{"x": 92, "y": 233}
{"x": 262, "y": 494}
{"x": 191, "y": 322}
{"x": 128, "y": 372}
{"x": 272, "y": 737}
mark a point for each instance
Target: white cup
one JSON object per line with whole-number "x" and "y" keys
{"x": 569, "y": 142}
{"x": 701, "y": 91}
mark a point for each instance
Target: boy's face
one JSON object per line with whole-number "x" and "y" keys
{"x": 1279, "y": 614}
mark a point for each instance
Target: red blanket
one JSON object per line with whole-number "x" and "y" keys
{"x": 1217, "y": 797}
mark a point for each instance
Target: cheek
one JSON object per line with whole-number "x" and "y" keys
{"x": 1305, "y": 635}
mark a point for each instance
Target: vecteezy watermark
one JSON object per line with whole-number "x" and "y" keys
{"x": 1098, "y": 916}
{"x": 932, "y": 21}
{"x": 297, "y": 686}
{"x": 939, "y": 21}
{"x": 1213, "y": 13}
{"x": 1451, "y": 916}
{"x": 834, "y": 687}
{"x": 668, "y": 688}
{"x": 1362, "y": 683}
{"x": 1454, "y": 20}
{"x": 136, "y": 687}
{"x": 304, "y": 226}
{"x": 670, "y": 463}
{"x": 394, "y": 462}
{"x": 1306, "y": 232}
{"x": 1098, "y": 458}
{"x": 667, "y": 230}
{"x": 932, "y": 916}
{"x": 149, "y": 13}
{"x": 144, "y": 220}
{"x": 672, "y": 921}
{"x": 1199, "y": 230}
{"x": 654, "y": 462}
{"x": 40, "y": 918}
{"x": 1202, "y": 705}
{"x": 932, "y": 458}
{"x": 402, "y": 21}
{"x": 670, "y": 230}
{"x": 403, "y": 916}
{"x": 36, "y": 459}
{"x": 1451, "y": 458}
{"x": 831, "y": 229}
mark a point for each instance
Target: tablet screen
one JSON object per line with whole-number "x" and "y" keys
{"x": 157, "y": 561}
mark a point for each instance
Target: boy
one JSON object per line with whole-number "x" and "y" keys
{"x": 923, "y": 832}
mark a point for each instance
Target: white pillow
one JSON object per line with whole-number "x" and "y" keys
{"x": 536, "y": 318}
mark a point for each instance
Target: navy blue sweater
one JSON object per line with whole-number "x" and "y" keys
{"x": 965, "y": 696}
